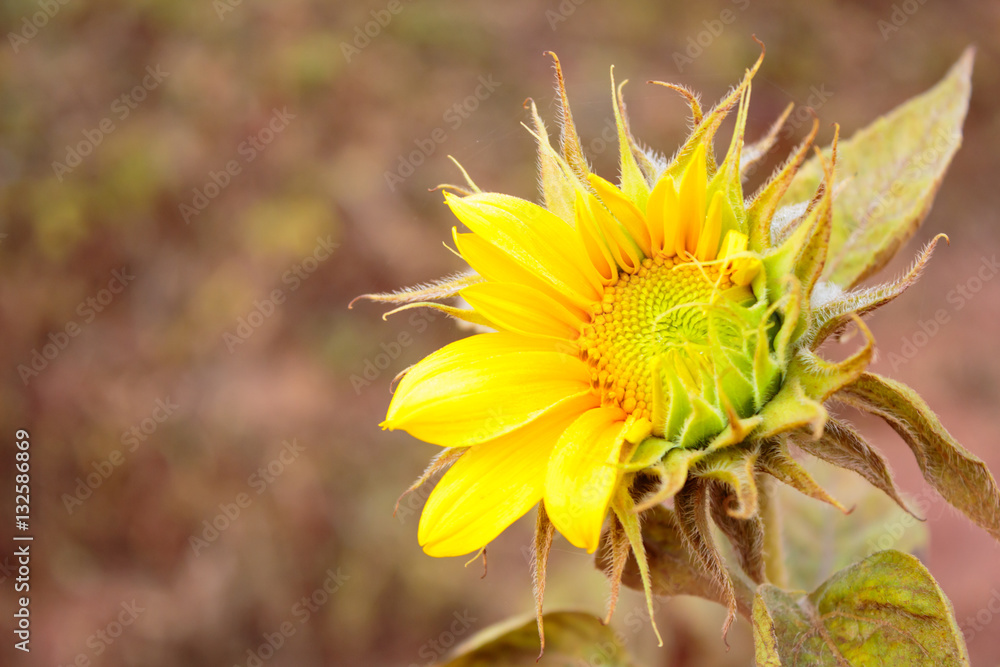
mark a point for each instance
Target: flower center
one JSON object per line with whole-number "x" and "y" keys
{"x": 661, "y": 312}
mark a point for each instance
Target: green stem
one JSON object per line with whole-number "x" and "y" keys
{"x": 774, "y": 551}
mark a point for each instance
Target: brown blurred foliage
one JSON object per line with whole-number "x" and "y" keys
{"x": 237, "y": 319}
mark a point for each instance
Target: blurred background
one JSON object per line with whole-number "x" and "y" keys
{"x": 191, "y": 194}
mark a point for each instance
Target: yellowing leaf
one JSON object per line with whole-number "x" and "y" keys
{"x": 885, "y": 610}
{"x": 958, "y": 475}
{"x": 891, "y": 171}
{"x": 571, "y": 638}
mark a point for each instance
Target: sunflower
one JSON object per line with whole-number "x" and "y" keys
{"x": 645, "y": 341}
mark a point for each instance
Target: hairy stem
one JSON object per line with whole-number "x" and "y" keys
{"x": 770, "y": 513}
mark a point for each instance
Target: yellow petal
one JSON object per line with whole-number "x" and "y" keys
{"x": 495, "y": 265}
{"x": 654, "y": 215}
{"x": 744, "y": 269}
{"x": 708, "y": 241}
{"x": 582, "y": 475}
{"x": 523, "y": 310}
{"x": 484, "y": 386}
{"x": 734, "y": 242}
{"x": 625, "y": 211}
{"x": 535, "y": 238}
{"x": 663, "y": 213}
{"x": 492, "y": 485}
{"x": 595, "y": 216}
{"x": 692, "y": 197}
{"x": 594, "y": 242}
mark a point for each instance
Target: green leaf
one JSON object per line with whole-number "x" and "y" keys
{"x": 819, "y": 540}
{"x": 890, "y": 172}
{"x": 958, "y": 475}
{"x": 885, "y": 610}
{"x": 570, "y": 638}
